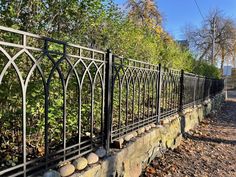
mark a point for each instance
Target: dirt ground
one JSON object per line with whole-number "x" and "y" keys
{"x": 207, "y": 151}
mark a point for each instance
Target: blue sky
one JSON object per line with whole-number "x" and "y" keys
{"x": 179, "y": 13}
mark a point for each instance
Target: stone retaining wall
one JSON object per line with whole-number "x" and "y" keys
{"x": 140, "y": 150}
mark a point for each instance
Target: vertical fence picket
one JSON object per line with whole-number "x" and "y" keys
{"x": 108, "y": 100}
{"x": 46, "y": 107}
{"x": 158, "y": 95}
{"x": 181, "y": 97}
{"x": 194, "y": 91}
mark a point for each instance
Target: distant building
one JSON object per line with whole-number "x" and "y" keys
{"x": 227, "y": 70}
{"x": 230, "y": 82}
{"x": 184, "y": 44}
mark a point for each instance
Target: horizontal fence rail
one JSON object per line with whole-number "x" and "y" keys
{"x": 52, "y": 102}
{"x": 60, "y": 101}
{"x": 134, "y": 100}
{"x": 199, "y": 88}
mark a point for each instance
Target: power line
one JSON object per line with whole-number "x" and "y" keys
{"x": 199, "y": 10}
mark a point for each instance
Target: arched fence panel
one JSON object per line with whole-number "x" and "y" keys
{"x": 52, "y": 102}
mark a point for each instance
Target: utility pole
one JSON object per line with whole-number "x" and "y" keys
{"x": 213, "y": 40}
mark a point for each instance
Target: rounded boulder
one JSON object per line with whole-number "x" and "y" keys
{"x": 67, "y": 170}
{"x": 80, "y": 163}
{"x": 92, "y": 158}
{"x": 101, "y": 152}
{"x": 51, "y": 173}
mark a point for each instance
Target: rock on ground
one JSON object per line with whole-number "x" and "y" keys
{"x": 80, "y": 163}
{"x": 67, "y": 170}
{"x": 92, "y": 158}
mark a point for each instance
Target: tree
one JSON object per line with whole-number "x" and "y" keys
{"x": 214, "y": 39}
{"x": 85, "y": 22}
{"x": 144, "y": 13}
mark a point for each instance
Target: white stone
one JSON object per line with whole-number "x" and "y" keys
{"x": 67, "y": 170}
{"x": 118, "y": 143}
{"x": 80, "y": 163}
{"x": 153, "y": 125}
{"x": 159, "y": 126}
{"x": 147, "y": 128}
{"x": 121, "y": 140}
{"x": 92, "y": 158}
{"x": 135, "y": 134}
{"x": 141, "y": 130}
{"x": 129, "y": 137}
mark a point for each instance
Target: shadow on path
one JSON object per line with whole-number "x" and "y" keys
{"x": 208, "y": 139}
{"x": 208, "y": 150}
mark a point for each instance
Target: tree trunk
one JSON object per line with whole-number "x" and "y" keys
{"x": 222, "y": 58}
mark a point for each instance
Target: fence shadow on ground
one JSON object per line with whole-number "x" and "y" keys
{"x": 208, "y": 139}
{"x": 227, "y": 117}
{"x": 224, "y": 119}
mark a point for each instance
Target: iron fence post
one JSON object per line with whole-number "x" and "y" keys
{"x": 194, "y": 92}
{"x": 46, "y": 107}
{"x": 211, "y": 83}
{"x": 181, "y": 91}
{"x": 108, "y": 100}
{"x": 204, "y": 89}
{"x": 158, "y": 111}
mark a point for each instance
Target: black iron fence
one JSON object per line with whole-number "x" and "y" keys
{"x": 199, "y": 88}
{"x": 59, "y": 101}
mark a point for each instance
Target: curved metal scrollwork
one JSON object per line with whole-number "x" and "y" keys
{"x": 52, "y": 99}
{"x": 134, "y": 95}
{"x": 61, "y": 90}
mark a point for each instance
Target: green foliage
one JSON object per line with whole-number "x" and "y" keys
{"x": 206, "y": 69}
{"x": 99, "y": 24}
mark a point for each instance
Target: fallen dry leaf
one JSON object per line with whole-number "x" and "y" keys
{"x": 205, "y": 152}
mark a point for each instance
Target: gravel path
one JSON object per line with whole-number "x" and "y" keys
{"x": 207, "y": 151}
